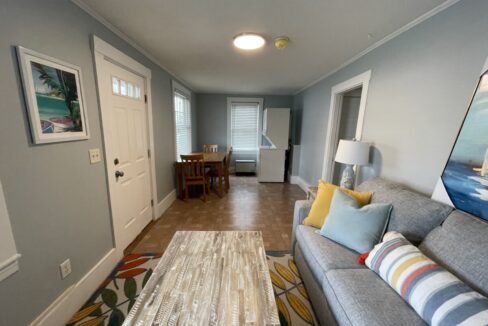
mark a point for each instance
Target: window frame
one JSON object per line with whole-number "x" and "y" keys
{"x": 249, "y": 100}
{"x": 178, "y": 88}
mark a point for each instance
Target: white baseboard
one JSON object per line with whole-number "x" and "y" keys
{"x": 296, "y": 180}
{"x": 9, "y": 266}
{"x": 63, "y": 308}
{"x": 164, "y": 204}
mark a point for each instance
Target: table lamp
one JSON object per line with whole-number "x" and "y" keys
{"x": 351, "y": 152}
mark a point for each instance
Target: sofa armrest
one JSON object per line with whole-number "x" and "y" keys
{"x": 302, "y": 208}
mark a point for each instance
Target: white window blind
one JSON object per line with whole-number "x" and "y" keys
{"x": 183, "y": 124}
{"x": 244, "y": 126}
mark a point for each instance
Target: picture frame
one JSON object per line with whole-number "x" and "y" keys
{"x": 463, "y": 183}
{"x": 54, "y": 97}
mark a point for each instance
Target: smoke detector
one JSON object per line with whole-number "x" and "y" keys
{"x": 281, "y": 42}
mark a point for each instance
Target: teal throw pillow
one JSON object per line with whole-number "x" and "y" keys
{"x": 358, "y": 228}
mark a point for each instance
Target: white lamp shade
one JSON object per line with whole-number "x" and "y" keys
{"x": 352, "y": 152}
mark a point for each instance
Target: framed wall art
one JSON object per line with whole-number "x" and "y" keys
{"x": 464, "y": 181}
{"x": 54, "y": 98}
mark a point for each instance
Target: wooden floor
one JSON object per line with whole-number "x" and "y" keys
{"x": 249, "y": 205}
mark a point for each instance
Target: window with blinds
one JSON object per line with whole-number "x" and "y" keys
{"x": 182, "y": 124}
{"x": 244, "y": 124}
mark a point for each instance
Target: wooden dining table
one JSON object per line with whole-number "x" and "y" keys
{"x": 213, "y": 160}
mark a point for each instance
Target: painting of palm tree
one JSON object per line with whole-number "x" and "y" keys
{"x": 57, "y": 99}
{"x": 53, "y": 91}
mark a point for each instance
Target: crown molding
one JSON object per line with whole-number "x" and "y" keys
{"x": 95, "y": 15}
{"x": 387, "y": 38}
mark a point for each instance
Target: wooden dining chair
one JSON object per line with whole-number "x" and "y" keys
{"x": 228, "y": 160}
{"x": 214, "y": 175}
{"x": 210, "y": 148}
{"x": 194, "y": 173}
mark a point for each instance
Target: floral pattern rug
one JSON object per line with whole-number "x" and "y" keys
{"x": 115, "y": 296}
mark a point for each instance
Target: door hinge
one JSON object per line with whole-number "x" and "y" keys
{"x": 145, "y": 98}
{"x": 149, "y": 153}
{"x": 152, "y": 202}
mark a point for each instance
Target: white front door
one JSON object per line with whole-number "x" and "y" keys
{"x": 125, "y": 125}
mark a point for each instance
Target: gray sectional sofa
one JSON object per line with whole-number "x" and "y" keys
{"x": 344, "y": 292}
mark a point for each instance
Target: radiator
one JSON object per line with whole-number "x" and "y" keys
{"x": 245, "y": 166}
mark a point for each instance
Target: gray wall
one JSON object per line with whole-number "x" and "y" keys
{"x": 420, "y": 88}
{"x": 212, "y": 115}
{"x": 57, "y": 201}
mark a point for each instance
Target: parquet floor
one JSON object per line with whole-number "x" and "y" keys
{"x": 249, "y": 205}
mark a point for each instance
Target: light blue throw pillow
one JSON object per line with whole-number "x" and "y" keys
{"x": 354, "y": 227}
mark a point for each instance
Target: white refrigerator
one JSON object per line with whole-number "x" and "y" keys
{"x": 276, "y": 130}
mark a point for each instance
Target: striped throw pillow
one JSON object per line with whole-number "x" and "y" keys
{"x": 435, "y": 294}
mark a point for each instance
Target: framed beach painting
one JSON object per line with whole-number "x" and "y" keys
{"x": 54, "y": 97}
{"x": 465, "y": 176}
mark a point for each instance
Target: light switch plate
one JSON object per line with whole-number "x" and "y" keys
{"x": 95, "y": 155}
{"x": 65, "y": 268}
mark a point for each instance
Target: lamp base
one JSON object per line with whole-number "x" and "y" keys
{"x": 347, "y": 180}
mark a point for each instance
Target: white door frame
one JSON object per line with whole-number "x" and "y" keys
{"x": 337, "y": 93}
{"x": 104, "y": 51}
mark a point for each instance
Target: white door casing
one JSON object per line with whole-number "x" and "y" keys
{"x": 9, "y": 258}
{"x": 335, "y": 111}
{"x": 128, "y": 138}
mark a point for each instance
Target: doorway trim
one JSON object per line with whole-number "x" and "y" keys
{"x": 335, "y": 110}
{"x": 104, "y": 51}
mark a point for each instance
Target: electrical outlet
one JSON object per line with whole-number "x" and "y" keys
{"x": 95, "y": 155}
{"x": 65, "y": 268}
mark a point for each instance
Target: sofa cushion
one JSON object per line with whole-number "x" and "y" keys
{"x": 413, "y": 215}
{"x": 357, "y": 228}
{"x": 323, "y": 254}
{"x": 366, "y": 300}
{"x": 323, "y": 200}
{"x": 429, "y": 288}
{"x": 316, "y": 295}
{"x": 461, "y": 245}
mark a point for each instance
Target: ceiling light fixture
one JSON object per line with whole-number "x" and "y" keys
{"x": 249, "y": 41}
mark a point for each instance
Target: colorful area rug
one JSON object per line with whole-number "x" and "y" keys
{"x": 115, "y": 296}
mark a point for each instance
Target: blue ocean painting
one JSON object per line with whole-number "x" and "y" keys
{"x": 465, "y": 176}
{"x": 57, "y": 99}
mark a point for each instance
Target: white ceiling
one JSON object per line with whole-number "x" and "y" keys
{"x": 193, "y": 38}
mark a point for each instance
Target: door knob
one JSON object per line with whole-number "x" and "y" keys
{"x": 119, "y": 174}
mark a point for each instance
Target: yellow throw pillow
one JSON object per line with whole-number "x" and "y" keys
{"x": 321, "y": 205}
